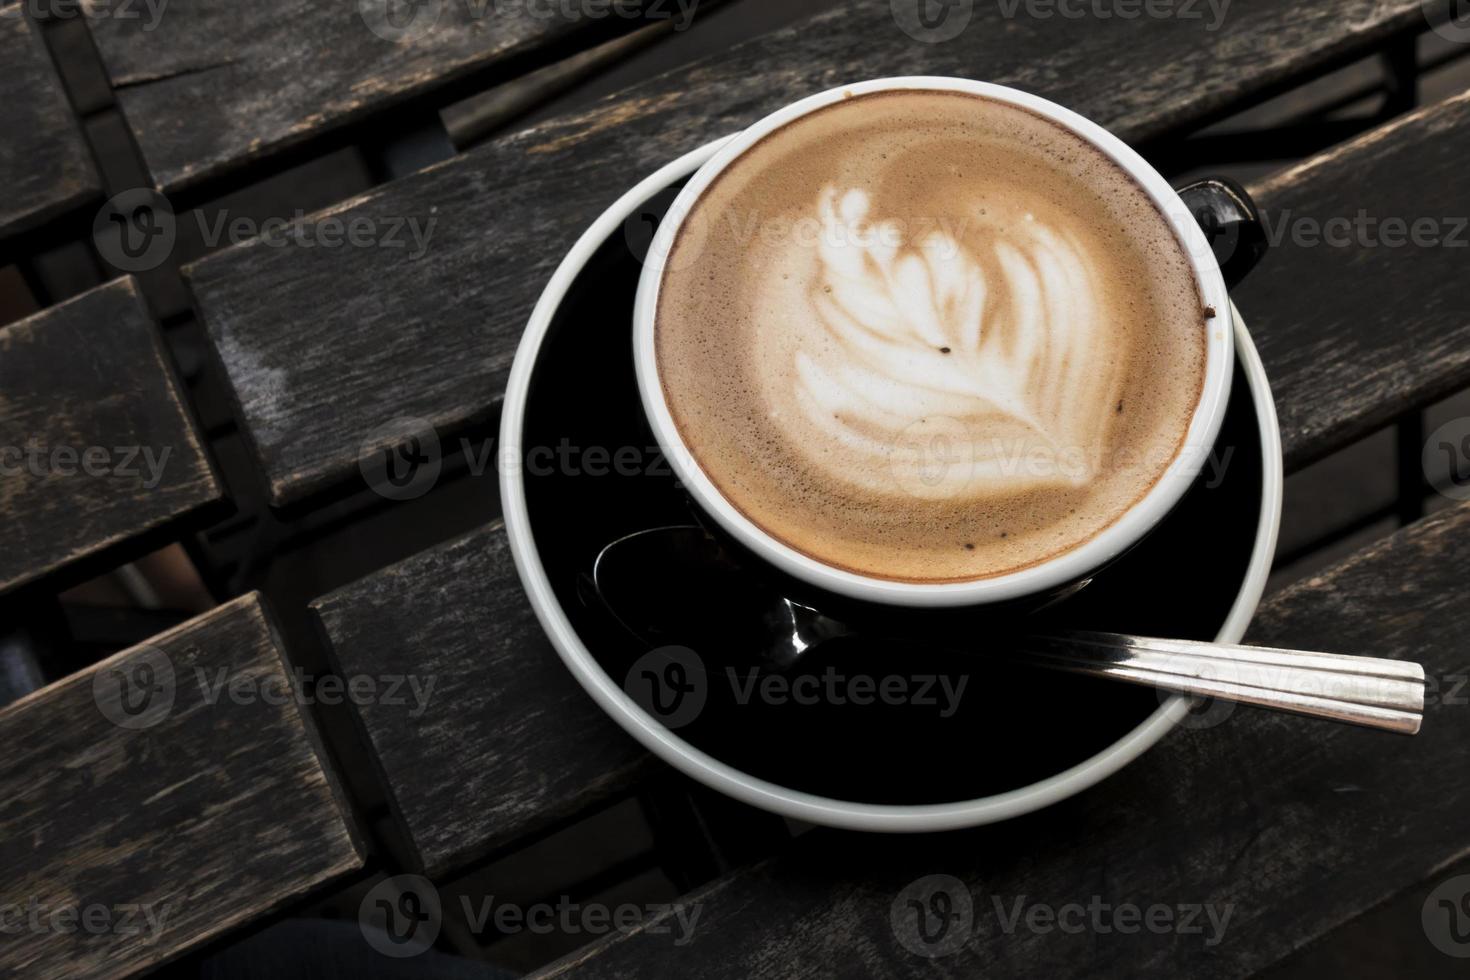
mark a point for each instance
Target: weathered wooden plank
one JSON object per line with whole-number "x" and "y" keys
{"x": 45, "y": 166}
{"x": 207, "y": 804}
{"x": 485, "y": 112}
{"x": 210, "y": 85}
{"x": 323, "y": 346}
{"x": 1362, "y": 305}
{"x": 1265, "y": 818}
{"x": 97, "y": 445}
{"x": 503, "y": 741}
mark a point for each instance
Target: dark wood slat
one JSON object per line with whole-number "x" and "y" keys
{"x": 1357, "y": 333}
{"x": 470, "y": 121}
{"x": 91, "y": 376}
{"x": 507, "y": 742}
{"x": 213, "y": 85}
{"x": 210, "y": 813}
{"x": 1270, "y": 814}
{"x": 45, "y": 167}
{"x": 323, "y": 346}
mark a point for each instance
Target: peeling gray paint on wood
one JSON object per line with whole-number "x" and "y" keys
{"x": 1252, "y": 814}
{"x": 91, "y": 375}
{"x": 45, "y": 166}
{"x": 507, "y": 741}
{"x": 217, "y": 812}
{"x": 324, "y": 346}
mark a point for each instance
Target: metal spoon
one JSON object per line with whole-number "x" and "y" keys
{"x": 658, "y": 584}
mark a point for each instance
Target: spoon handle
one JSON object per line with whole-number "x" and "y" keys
{"x": 1367, "y": 691}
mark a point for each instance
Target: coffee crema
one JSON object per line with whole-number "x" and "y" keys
{"x": 929, "y": 337}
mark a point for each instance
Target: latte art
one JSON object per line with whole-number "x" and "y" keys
{"x": 1000, "y": 350}
{"x": 929, "y": 337}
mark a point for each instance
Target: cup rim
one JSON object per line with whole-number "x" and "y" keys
{"x": 695, "y": 763}
{"x": 1045, "y": 576}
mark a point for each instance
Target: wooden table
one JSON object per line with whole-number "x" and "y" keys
{"x": 257, "y": 373}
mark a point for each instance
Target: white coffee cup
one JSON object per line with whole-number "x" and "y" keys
{"x": 1047, "y": 578}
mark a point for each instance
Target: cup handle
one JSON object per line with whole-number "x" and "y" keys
{"x": 1231, "y": 224}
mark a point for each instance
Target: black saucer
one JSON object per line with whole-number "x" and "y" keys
{"x": 1012, "y": 726}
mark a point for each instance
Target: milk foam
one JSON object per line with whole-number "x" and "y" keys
{"x": 930, "y": 337}
{"x": 1003, "y": 347}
